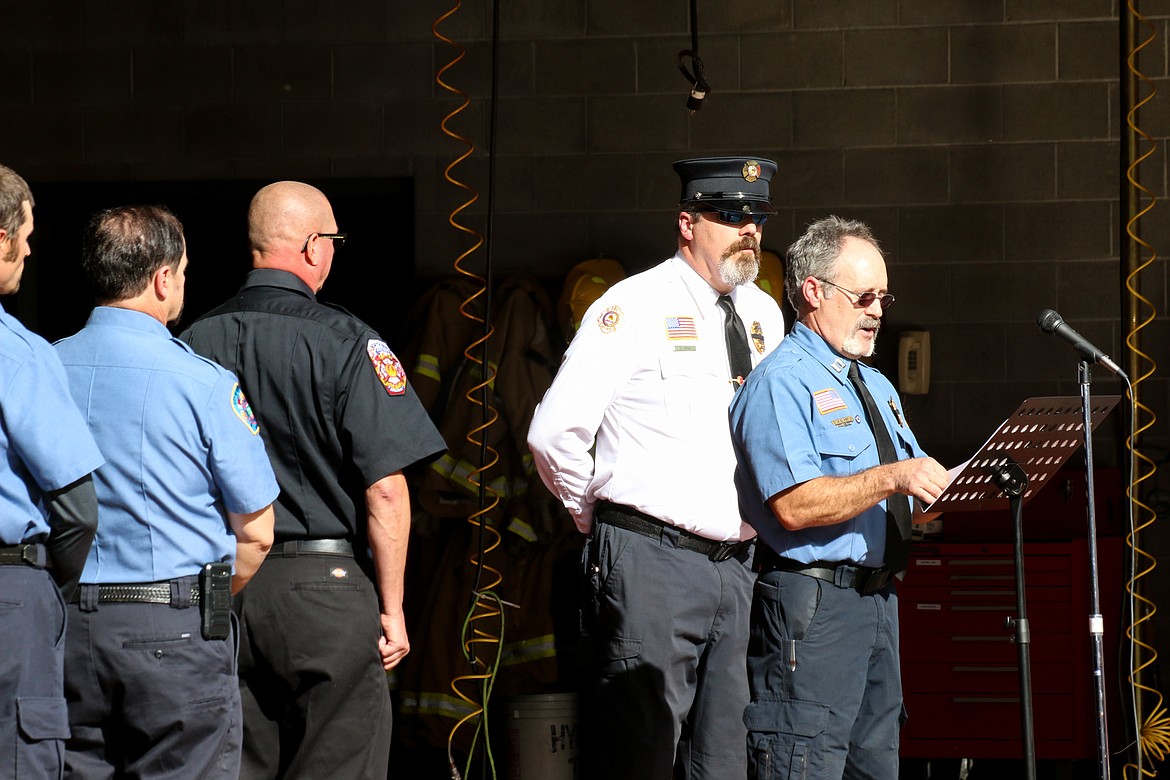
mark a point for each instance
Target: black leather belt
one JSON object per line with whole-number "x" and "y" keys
{"x": 291, "y": 549}
{"x": 641, "y": 523}
{"x": 24, "y": 555}
{"x": 863, "y": 579}
{"x": 135, "y": 593}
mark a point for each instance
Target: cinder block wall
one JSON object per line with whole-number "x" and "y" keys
{"x": 980, "y": 138}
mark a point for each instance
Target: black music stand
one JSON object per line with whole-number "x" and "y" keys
{"x": 1015, "y": 463}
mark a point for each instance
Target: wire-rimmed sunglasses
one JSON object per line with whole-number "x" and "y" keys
{"x": 865, "y": 299}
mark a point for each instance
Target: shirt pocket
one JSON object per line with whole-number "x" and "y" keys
{"x": 690, "y": 384}
{"x": 846, "y": 451}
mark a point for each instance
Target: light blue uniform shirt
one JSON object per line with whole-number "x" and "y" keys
{"x": 44, "y": 444}
{"x": 182, "y": 449}
{"x": 798, "y": 418}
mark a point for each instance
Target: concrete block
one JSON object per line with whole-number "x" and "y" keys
{"x": 1088, "y": 50}
{"x": 17, "y": 69}
{"x": 182, "y": 75}
{"x": 50, "y": 23}
{"x": 1089, "y": 290}
{"x": 592, "y": 66}
{"x": 315, "y": 22}
{"x": 586, "y": 183}
{"x": 372, "y": 72}
{"x": 1002, "y": 172}
{"x": 828, "y": 118}
{"x": 132, "y": 133}
{"x": 51, "y": 135}
{"x": 538, "y": 126}
{"x": 219, "y": 22}
{"x": 911, "y": 175}
{"x": 82, "y": 76}
{"x": 793, "y": 60}
{"x": 949, "y": 115}
{"x": 623, "y": 18}
{"x": 217, "y": 131}
{"x": 652, "y": 123}
{"x": 131, "y": 22}
{"x": 1087, "y": 170}
{"x": 843, "y": 14}
{"x": 1057, "y": 112}
{"x": 566, "y": 19}
{"x": 1045, "y": 10}
{"x": 1003, "y": 54}
{"x": 868, "y": 61}
{"x": 733, "y": 121}
{"x": 933, "y": 13}
{"x": 952, "y": 234}
{"x": 285, "y": 73}
{"x": 983, "y": 294}
{"x": 1058, "y": 231}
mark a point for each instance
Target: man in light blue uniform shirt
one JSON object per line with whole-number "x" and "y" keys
{"x": 48, "y": 513}
{"x": 820, "y": 474}
{"x": 188, "y": 483}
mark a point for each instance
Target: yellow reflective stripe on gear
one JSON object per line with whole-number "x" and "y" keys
{"x": 440, "y": 704}
{"x": 428, "y": 366}
{"x": 459, "y": 472}
{"x": 534, "y": 649}
{"x": 522, "y": 529}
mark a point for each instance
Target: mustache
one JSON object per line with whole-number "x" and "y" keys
{"x": 869, "y": 322}
{"x": 745, "y": 244}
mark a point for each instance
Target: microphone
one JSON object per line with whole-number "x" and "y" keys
{"x": 1051, "y": 322}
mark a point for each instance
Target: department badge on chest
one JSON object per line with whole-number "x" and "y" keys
{"x": 758, "y": 337}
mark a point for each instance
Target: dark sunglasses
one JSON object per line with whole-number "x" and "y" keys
{"x": 736, "y": 217}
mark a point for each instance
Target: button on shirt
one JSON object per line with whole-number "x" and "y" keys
{"x": 44, "y": 443}
{"x": 647, "y": 376}
{"x": 332, "y": 400}
{"x": 798, "y": 418}
{"x": 182, "y": 447}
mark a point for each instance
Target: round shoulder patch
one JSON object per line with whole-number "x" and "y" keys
{"x": 387, "y": 366}
{"x": 610, "y": 319}
{"x": 243, "y": 410}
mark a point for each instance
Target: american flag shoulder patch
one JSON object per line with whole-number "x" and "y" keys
{"x": 681, "y": 328}
{"x": 828, "y": 401}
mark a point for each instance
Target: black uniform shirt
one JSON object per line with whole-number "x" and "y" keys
{"x": 332, "y": 401}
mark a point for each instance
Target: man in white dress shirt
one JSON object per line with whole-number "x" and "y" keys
{"x": 633, "y": 438}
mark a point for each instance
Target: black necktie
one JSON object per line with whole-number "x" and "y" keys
{"x": 897, "y": 509}
{"x": 739, "y": 355}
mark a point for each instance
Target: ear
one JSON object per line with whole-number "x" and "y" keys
{"x": 808, "y": 292}
{"x": 161, "y": 282}
{"x": 686, "y": 225}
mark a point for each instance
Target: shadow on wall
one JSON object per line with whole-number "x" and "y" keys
{"x": 373, "y": 276}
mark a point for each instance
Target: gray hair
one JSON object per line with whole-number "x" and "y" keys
{"x": 816, "y": 252}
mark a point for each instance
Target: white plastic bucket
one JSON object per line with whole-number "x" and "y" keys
{"x": 542, "y": 737}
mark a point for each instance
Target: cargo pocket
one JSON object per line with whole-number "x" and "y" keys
{"x": 780, "y": 738}
{"x": 43, "y": 727}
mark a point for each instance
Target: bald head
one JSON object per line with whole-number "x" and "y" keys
{"x": 282, "y": 216}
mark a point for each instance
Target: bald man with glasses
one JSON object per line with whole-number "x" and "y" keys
{"x": 826, "y": 464}
{"x": 322, "y": 620}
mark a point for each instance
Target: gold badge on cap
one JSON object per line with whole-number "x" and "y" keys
{"x": 751, "y": 171}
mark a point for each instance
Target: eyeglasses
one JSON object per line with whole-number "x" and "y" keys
{"x": 735, "y": 217}
{"x": 865, "y": 299}
{"x": 337, "y": 238}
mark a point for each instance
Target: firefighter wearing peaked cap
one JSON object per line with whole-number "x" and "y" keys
{"x": 633, "y": 438}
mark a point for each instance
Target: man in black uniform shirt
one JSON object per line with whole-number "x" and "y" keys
{"x": 322, "y": 619}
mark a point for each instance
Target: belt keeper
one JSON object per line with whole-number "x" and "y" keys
{"x": 87, "y": 598}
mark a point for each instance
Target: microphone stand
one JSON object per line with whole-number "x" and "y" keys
{"x": 1096, "y": 621}
{"x": 1012, "y": 479}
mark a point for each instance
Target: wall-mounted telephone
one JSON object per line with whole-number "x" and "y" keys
{"x": 914, "y": 362}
